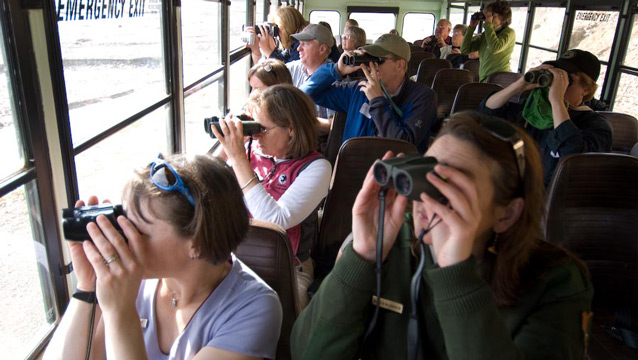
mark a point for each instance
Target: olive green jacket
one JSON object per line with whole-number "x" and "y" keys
{"x": 495, "y": 49}
{"x": 459, "y": 318}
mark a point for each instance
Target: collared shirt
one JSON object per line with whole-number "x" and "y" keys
{"x": 300, "y": 76}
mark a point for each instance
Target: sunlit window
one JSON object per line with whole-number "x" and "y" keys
{"x": 113, "y": 64}
{"x": 548, "y": 23}
{"x": 416, "y": 26}
{"x": 631, "y": 59}
{"x": 237, "y": 23}
{"x": 198, "y": 105}
{"x": 201, "y": 40}
{"x": 375, "y": 24}
{"x": 331, "y": 17}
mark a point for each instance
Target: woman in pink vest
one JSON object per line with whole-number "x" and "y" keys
{"x": 283, "y": 177}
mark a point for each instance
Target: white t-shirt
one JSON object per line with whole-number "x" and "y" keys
{"x": 241, "y": 315}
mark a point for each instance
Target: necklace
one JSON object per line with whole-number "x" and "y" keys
{"x": 175, "y": 298}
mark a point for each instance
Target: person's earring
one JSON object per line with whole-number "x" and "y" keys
{"x": 493, "y": 248}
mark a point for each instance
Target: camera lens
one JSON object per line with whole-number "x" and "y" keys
{"x": 403, "y": 184}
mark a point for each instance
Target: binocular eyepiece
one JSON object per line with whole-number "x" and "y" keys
{"x": 74, "y": 220}
{"x": 407, "y": 175}
{"x": 542, "y": 77}
{"x": 249, "y": 125}
{"x": 356, "y": 59}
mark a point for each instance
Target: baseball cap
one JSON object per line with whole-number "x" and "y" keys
{"x": 389, "y": 44}
{"x": 315, "y": 32}
{"x": 576, "y": 60}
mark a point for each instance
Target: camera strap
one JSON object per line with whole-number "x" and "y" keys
{"x": 387, "y": 96}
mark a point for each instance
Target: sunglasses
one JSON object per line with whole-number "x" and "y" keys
{"x": 164, "y": 176}
{"x": 504, "y": 131}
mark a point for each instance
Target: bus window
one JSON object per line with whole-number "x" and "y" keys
{"x": 105, "y": 168}
{"x": 457, "y": 14}
{"x": 26, "y": 290}
{"x": 201, "y": 39}
{"x": 27, "y": 295}
{"x": 545, "y": 37}
{"x": 113, "y": 66}
{"x": 199, "y": 104}
{"x": 625, "y": 101}
{"x": 238, "y": 84}
{"x": 417, "y": 26}
{"x": 519, "y": 20}
{"x": 12, "y": 152}
{"x": 331, "y": 17}
{"x": 260, "y": 15}
{"x": 375, "y": 24}
{"x": 237, "y": 21}
{"x": 594, "y": 31}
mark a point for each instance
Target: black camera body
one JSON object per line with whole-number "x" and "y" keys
{"x": 356, "y": 59}
{"x": 273, "y": 29}
{"x": 407, "y": 175}
{"x": 249, "y": 125}
{"x": 542, "y": 77}
{"x": 478, "y": 16}
{"x": 75, "y": 220}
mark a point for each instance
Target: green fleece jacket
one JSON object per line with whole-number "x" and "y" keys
{"x": 459, "y": 318}
{"x": 495, "y": 49}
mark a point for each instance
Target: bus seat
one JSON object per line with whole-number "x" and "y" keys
{"x": 625, "y": 128}
{"x": 634, "y": 150}
{"x": 473, "y": 67}
{"x": 592, "y": 210}
{"x": 266, "y": 250}
{"x": 470, "y": 95}
{"x": 446, "y": 83}
{"x": 335, "y": 138}
{"x": 355, "y": 158}
{"x": 428, "y": 68}
{"x": 415, "y": 60}
{"x": 415, "y": 48}
{"x": 504, "y": 79}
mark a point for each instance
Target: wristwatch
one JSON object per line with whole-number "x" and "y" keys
{"x": 86, "y": 296}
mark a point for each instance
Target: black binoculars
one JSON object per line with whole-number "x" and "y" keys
{"x": 249, "y": 125}
{"x": 407, "y": 175}
{"x": 541, "y": 77}
{"x": 74, "y": 220}
{"x": 273, "y": 29}
{"x": 478, "y": 16}
{"x": 356, "y": 59}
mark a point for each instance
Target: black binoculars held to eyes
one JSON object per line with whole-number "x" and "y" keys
{"x": 407, "y": 175}
{"x": 74, "y": 220}
{"x": 478, "y": 16}
{"x": 542, "y": 77}
{"x": 356, "y": 59}
{"x": 249, "y": 125}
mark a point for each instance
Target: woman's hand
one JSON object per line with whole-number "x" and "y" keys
{"x": 365, "y": 217}
{"x": 118, "y": 267}
{"x": 488, "y": 16}
{"x": 266, "y": 42}
{"x": 232, "y": 139}
{"x": 81, "y": 265}
{"x": 254, "y": 47}
{"x": 453, "y": 238}
{"x": 371, "y": 86}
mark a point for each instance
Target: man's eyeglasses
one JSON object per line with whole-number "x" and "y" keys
{"x": 169, "y": 180}
{"x": 504, "y": 131}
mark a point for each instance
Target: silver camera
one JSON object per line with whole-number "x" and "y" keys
{"x": 247, "y": 37}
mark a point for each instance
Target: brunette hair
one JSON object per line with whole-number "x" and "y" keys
{"x": 510, "y": 270}
{"x": 503, "y": 9}
{"x": 290, "y": 22}
{"x": 289, "y": 107}
{"x": 219, "y": 220}
{"x": 271, "y": 72}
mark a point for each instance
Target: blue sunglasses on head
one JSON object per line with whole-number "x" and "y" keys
{"x": 169, "y": 180}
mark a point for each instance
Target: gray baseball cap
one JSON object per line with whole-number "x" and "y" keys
{"x": 315, "y": 32}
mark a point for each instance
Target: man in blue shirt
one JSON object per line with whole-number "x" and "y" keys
{"x": 387, "y": 103}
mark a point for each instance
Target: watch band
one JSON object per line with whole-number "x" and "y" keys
{"x": 86, "y": 296}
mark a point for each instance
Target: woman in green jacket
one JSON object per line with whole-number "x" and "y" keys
{"x": 496, "y": 44}
{"x": 491, "y": 287}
